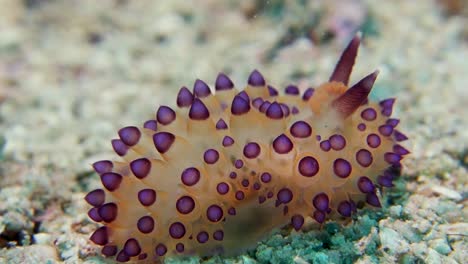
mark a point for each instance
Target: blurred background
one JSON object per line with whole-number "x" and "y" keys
{"x": 73, "y": 72}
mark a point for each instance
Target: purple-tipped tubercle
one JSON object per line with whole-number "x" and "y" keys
{"x": 291, "y": 90}
{"x": 163, "y": 141}
{"x": 129, "y": 135}
{"x": 201, "y": 89}
{"x": 165, "y": 115}
{"x": 223, "y": 82}
{"x": 198, "y": 110}
{"x": 275, "y": 111}
{"x": 256, "y": 79}
{"x": 184, "y": 97}
{"x": 239, "y": 105}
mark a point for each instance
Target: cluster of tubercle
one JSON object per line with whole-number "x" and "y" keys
{"x": 221, "y": 172}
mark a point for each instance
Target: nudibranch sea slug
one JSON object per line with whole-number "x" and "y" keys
{"x": 227, "y": 167}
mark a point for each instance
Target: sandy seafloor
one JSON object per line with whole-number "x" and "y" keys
{"x": 73, "y": 72}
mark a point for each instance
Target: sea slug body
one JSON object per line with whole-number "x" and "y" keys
{"x": 219, "y": 173}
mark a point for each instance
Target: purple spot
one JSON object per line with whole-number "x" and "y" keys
{"x": 140, "y": 167}
{"x": 373, "y": 141}
{"x": 147, "y": 197}
{"x": 272, "y": 91}
{"x": 180, "y": 247}
{"x": 143, "y": 256}
{"x": 185, "y": 204}
{"x": 201, "y": 89}
{"x": 361, "y": 127}
{"x": 211, "y": 156}
{"x": 257, "y": 102}
{"x": 233, "y": 175}
{"x": 109, "y": 250}
{"x": 269, "y": 194}
{"x": 190, "y": 176}
{"x": 165, "y": 115}
{"x": 318, "y": 137}
{"x": 245, "y": 183}
{"x": 232, "y": 211}
{"x": 364, "y": 157}
{"x": 238, "y": 164}
{"x": 202, "y": 237}
{"x": 100, "y": 237}
{"x": 400, "y": 150}
{"x": 111, "y": 180}
{"x": 365, "y": 185}
{"x": 132, "y": 248}
{"x": 177, "y": 230}
{"x": 228, "y": 141}
{"x": 108, "y": 212}
{"x": 251, "y": 150}
{"x": 321, "y": 202}
{"x": 96, "y": 198}
{"x": 264, "y": 107}
{"x": 274, "y": 111}
{"x": 129, "y": 135}
{"x": 161, "y": 250}
{"x": 214, "y": 213}
{"x": 184, "y": 97}
{"x": 308, "y": 166}
{"x": 218, "y": 235}
{"x": 297, "y": 221}
{"x": 256, "y": 186}
{"x": 239, "y": 106}
{"x": 240, "y": 195}
{"x": 337, "y": 142}
{"x": 284, "y": 195}
{"x": 103, "y": 166}
{"x": 282, "y": 144}
{"x": 369, "y": 114}
{"x": 163, "y": 141}
{"x": 342, "y": 168}
{"x": 291, "y": 90}
{"x": 300, "y": 129}
{"x": 392, "y": 158}
{"x": 256, "y": 79}
{"x": 119, "y": 147}
{"x": 93, "y": 213}
{"x": 223, "y": 82}
{"x": 399, "y": 136}
{"x": 145, "y": 224}
{"x": 308, "y": 93}
{"x": 325, "y": 145}
{"x": 345, "y": 208}
{"x": 151, "y": 125}
{"x": 222, "y": 188}
{"x": 265, "y": 177}
{"x": 221, "y": 124}
{"x": 385, "y": 130}
{"x": 198, "y": 110}
{"x": 372, "y": 199}
{"x": 319, "y": 217}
